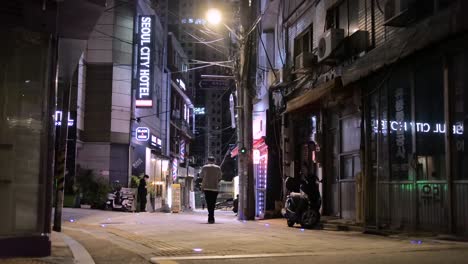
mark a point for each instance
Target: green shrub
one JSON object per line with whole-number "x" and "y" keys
{"x": 134, "y": 181}
{"x": 93, "y": 189}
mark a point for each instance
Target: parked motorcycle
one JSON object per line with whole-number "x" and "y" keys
{"x": 118, "y": 200}
{"x": 303, "y": 207}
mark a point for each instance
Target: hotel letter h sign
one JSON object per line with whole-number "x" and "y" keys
{"x": 145, "y": 42}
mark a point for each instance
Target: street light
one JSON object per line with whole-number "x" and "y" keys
{"x": 213, "y": 16}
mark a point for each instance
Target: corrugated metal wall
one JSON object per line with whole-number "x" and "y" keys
{"x": 396, "y": 205}
{"x": 460, "y": 195}
{"x": 348, "y": 199}
{"x": 432, "y": 206}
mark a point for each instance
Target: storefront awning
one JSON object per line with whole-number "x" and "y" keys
{"x": 256, "y": 144}
{"x": 311, "y": 96}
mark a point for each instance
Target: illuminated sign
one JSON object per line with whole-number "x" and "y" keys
{"x": 400, "y": 116}
{"x": 199, "y": 110}
{"x": 231, "y": 110}
{"x": 142, "y": 134}
{"x": 145, "y": 62}
{"x": 196, "y": 21}
{"x": 58, "y": 119}
{"x": 256, "y": 156}
{"x": 155, "y": 141}
{"x": 181, "y": 84}
{"x": 420, "y": 127}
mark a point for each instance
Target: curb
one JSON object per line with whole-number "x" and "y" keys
{"x": 80, "y": 254}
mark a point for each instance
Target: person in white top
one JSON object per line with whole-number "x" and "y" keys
{"x": 211, "y": 175}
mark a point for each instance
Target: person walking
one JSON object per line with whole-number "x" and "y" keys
{"x": 142, "y": 192}
{"x": 211, "y": 175}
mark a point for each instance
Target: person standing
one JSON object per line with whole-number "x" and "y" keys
{"x": 211, "y": 175}
{"x": 142, "y": 192}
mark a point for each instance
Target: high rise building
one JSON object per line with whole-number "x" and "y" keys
{"x": 205, "y": 44}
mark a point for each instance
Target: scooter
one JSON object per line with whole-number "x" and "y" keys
{"x": 117, "y": 200}
{"x": 303, "y": 207}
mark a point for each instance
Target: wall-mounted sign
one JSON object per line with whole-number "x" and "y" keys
{"x": 232, "y": 111}
{"x": 199, "y": 110}
{"x": 155, "y": 141}
{"x": 145, "y": 42}
{"x": 214, "y": 84}
{"x": 181, "y": 84}
{"x": 256, "y": 156}
{"x": 58, "y": 119}
{"x": 142, "y": 133}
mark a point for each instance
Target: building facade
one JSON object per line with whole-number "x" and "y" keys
{"x": 372, "y": 105}
{"x": 40, "y": 55}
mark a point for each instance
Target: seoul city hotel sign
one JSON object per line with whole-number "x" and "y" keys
{"x": 145, "y": 57}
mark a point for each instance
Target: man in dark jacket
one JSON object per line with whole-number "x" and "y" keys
{"x": 142, "y": 192}
{"x": 211, "y": 175}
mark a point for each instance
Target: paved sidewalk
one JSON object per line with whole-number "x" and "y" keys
{"x": 61, "y": 253}
{"x": 185, "y": 237}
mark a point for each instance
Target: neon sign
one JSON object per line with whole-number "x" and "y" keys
{"x": 155, "y": 141}
{"x": 199, "y": 110}
{"x": 58, "y": 119}
{"x": 142, "y": 133}
{"x": 144, "y": 62}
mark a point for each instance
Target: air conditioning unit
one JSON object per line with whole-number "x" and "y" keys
{"x": 276, "y": 77}
{"x": 399, "y": 13}
{"x": 329, "y": 42}
{"x": 305, "y": 60}
{"x": 357, "y": 42}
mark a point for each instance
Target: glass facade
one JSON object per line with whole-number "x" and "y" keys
{"x": 408, "y": 186}
{"x": 24, "y": 64}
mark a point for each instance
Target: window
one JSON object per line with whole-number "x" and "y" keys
{"x": 458, "y": 79}
{"x": 430, "y": 121}
{"x": 345, "y": 16}
{"x": 304, "y": 42}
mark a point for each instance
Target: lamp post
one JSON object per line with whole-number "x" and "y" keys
{"x": 244, "y": 122}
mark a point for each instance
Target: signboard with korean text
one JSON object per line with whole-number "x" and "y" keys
{"x": 215, "y": 84}
{"x": 144, "y": 63}
{"x": 175, "y": 198}
{"x": 155, "y": 141}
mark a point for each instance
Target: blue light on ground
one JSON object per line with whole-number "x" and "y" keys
{"x": 302, "y": 229}
{"x": 103, "y": 225}
{"x": 197, "y": 249}
{"x": 267, "y": 224}
{"x": 72, "y": 220}
{"x": 417, "y": 242}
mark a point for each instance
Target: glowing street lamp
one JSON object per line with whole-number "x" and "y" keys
{"x": 213, "y": 16}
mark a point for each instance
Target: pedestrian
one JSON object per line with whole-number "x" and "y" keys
{"x": 211, "y": 175}
{"x": 142, "y": 192}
